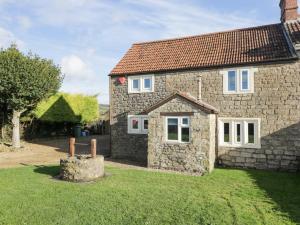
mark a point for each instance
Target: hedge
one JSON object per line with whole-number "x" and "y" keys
{"x": 73, "y": 108}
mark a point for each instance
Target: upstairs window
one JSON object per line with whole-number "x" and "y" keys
{"x": 245, "y": 83}
{"x": 137, "y": 124}
{"x": 238, "y": 132}
{"x": 240, "y": 81}
{"x": 136, "y": 85}
{"x": 231, "y": 81}
{"x": 140, "y": 84}
{"x": 178, "y": 129}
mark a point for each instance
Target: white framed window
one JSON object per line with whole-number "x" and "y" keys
{"x": 245, "y": 80}
{"x": 140, "y": 84}
{"x": 238, "y": 81}
{"x": 239, "y": 132}
{"x": 232, "y": 80}
{"x": 137, "y": 124}
{"x": 178, "y": 129}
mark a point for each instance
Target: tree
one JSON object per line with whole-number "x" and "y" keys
{"x": 25, "y": 80}
{"x": 71, "y": 108}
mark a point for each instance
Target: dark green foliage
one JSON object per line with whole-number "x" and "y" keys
{"x": 31, "y": 196}
{"x": 25, "y": 80}
{"x": 73, "y": 108}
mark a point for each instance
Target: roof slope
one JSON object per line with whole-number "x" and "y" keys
{"x": 294, "y": 31}
{"x": 200, "y": 104}
{"x": 243, "y": 46}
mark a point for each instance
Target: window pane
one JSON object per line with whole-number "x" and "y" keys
{"x": 173, "y": 129}
{"x": 185, "y": 134}
{"x": 251, "y": 133}
{"x": 245, "y": 80}
{"x": 185, "y": 121}
{"x": 226, "y": 132}
{"x": 147, "y": 83}
{"x": 238, "y": 133}
{"x": 135, "y": 124}
{"x": 231, "y": 81}
{"x": 145, "y": 124}
{"x": 136, "y": 84}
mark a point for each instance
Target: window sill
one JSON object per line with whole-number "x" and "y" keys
{"x": 140, "y": 92}
{"x": 176, "y": 143}
{"x": 238, "y": 92}
{"x": 253, "y": 146}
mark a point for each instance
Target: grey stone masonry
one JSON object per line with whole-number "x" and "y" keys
{"x": 276, "y": 101}
{"x": 197, "y": 156}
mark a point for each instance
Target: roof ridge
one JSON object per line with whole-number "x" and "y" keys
{"x": 205, "y": 34}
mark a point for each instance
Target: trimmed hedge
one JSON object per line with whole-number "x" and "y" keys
{"x": 72, "y": 108}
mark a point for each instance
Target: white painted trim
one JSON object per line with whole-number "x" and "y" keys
{"x": 248, "y": 78}
{"x": 141, "y": 79}
{"x": 244, "y": 128}
{"x": 180, "y": 125}
{"x": 140, "y": 129}
{"x": 144, "y": 131}
{"x": 251, "y": 75}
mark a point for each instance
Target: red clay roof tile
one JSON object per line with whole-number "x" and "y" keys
{"x": 243, "y": 46}
{"x": 294, "y": 31}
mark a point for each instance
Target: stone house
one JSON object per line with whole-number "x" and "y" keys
{"x": 229, "y": 98}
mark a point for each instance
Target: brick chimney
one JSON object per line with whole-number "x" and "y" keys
{"x": 289, "y": 10}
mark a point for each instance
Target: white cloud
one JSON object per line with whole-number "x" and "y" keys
{"x": 7, "y": 38}
{"x": 88, "y": 37}
{"x": 179, "y": 18}
{"x": 75, "y": 68}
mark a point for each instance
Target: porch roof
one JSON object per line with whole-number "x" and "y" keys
{"x": 198, "y": 103}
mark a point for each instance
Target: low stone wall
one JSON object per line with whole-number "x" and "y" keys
{"x": 82, "y": 168}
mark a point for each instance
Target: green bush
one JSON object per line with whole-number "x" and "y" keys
{"x": 72, "y": 108}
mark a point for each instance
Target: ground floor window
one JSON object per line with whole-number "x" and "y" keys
{"x": 137, "y": 124}
{"x": 178, "y": 129}
{"x": 239, "y": 132}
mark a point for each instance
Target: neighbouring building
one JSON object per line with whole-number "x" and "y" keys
{"x": 229, "y": 98}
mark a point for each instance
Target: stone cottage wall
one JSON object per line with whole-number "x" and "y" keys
{"x": 276, "y": 100}
{"x": 195, "y": 157}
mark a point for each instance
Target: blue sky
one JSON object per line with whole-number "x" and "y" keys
{"x": 88, "y": 37}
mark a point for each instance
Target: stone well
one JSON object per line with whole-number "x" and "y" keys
{"x": 81, "y": 168}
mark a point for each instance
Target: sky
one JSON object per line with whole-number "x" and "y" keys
{"x": 87, "y": 38}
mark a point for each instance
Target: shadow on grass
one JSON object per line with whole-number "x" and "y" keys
{"x": 47, "y": 170}
{"x": 283, "y": 189}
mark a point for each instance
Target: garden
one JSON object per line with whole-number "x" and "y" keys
{"x": 32, "y": 195}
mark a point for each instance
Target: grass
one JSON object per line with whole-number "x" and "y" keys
{"x": 29, "y": 195}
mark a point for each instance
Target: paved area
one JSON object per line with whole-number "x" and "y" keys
{"x": 50, "y": 151}
{"x": 45, "y": 152}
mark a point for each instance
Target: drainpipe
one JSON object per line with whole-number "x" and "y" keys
{"x": 217, "y": 142}
{"x": 199, "y": 88}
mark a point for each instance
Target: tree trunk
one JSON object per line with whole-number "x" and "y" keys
{"x": 16, "y": 143}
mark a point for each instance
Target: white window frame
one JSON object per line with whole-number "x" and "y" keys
{"x": 180, "y": 125}
{"x": 244, "y": 131}
{"x": 236, "y": 81}
{"x": 142, "y": 88}
{"x": 144, "y": 131}
{"x": 239, "y": 85}
{"x": 135, "y": 90}
{"x": 141, "y": 129}
{"x": 241, "y": 80}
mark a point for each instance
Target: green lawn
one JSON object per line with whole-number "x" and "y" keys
{"x": 29, "y": 195}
